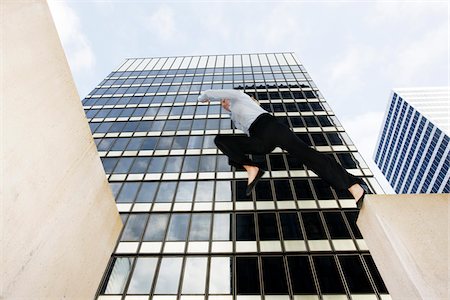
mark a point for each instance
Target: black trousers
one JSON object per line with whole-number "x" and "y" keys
{"x": 266, "y": 133}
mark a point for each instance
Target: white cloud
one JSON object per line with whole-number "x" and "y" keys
{"x": 76, "y": 45}
{"x": 162, "y": 23}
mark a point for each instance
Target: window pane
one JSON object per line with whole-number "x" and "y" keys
{"x": 247, "y": 275}
{"x": 178, "y": 227}
{"x": 128, "y": 192}
{"x": 220, "y": 275}
{"x": 119, "y": 274}
{"x": 336, "y": 225}
{"x": 205, "y": 191}
{"x": 222, "y": 227}
{"x": 185, "y": 191}
{"x": 156, "y": 227}
{"x": 301, "y": 275}
{"x": 290, "y": 226}
{"x": 134, "y": 227}
{"x": 166, "y": 192}
{"x": 194, "y": 275}
{"x": 313, "y": 226}
{"x": 245, "y": 227}
{"x": 156, "y": 164}
{"x": 169, "y": 275}
{"x": 147, "y": 192}
{"x": 142, "y": 279}
{"x": 190, "y": 164}
{"x": 356, "y": 277}
{"x": 174, "y": 164}
{"x": 223, "y": 191}
{"x": 268, "y": 229}
{"x": 328, "y": 275}
{"x": 274, "y": 275}
{"x": 200, "y": 227}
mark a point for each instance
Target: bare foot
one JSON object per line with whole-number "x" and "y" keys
{"x": 252, "y": 171}
{"x": 356, "y": 190}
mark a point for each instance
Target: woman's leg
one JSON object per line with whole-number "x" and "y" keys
{"x": 323, "y": 165}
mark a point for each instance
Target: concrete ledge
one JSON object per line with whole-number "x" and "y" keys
{"x": 408, "y": 237}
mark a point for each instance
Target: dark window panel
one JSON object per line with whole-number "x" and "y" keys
{"x": 347, "y": 160}
{"x": 310, "y": 121}
{"x": 357, "y": 279}
{"x": 313, "y": 226}
{"x": 303, "y": 189}
{"x": 241, "y": 187}
{"x": 245, "y": 227}
{"x": 302, "y": 106}
{"x": 319, "y": 139}
{"x": 301, "y": 275}
{"x": 267, "y": 225}
{"x": 305, "y": 138}
{"x": 283, "y": 189}
{"x": 335, "y": 139}
{"x": 375, "y": 274}
{"x": 351, "y": 217}
{"x": 328, "y": 275}
{"x": 247, "y": 275}
{"x": 278, "y": 107}
{"x": 290, "y": 226}
{"x": 274, "y": 275}
{"x": 294, "y": 163}
{"x": 263, "y": 191}
{"x": 325, "y": 121}
{"x": 336, "y": 225}
{"x": 323, "y": 190}
{"x": 277, "y": 162}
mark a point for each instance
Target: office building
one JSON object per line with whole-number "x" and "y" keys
{"x": 190, "y": 231}
{"x": 413, "y": 146}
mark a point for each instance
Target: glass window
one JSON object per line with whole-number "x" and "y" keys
{"x": 174, "y": 164}
{"x": 277, "y": 162}
{"x": 264, "y": 191}
{"x": 220, "y": 278}
{"x": 147, "y": 192}
{"x": 323, "y": 190}
{"x": 166, "y": 192}
{"x": 222, "y": 227}
{"x": 156, "y": 227}
{"x": 149, "y": 143}
{"x": 157, "y": 164}
{"x": 301, "y": 275}
{"x": 267, "y": 225}
{"x": 118, "y": 276}
{"x": 328, "y": 275}
{"x": 207, "y": 163}
{"x": 164, "y": 143}
{"x": 375, "y": 274}
{"x": 128, "y": 192}
{"x": 185, "y": 191}
{"x": 109, "y": 163}
{"x": 313, "y": 226}
{"x": 169, "y": 275}
{"x": 140, "y": 165}
{"x": 195, "y": 142}
{"x": 223, "y": 191}
{"x": 245, "y": 227}
{"x": 178, "y": 227}
{"x": 194, "y": 279}
{"x": 336, "y": 225}
{"x": 303, "y": 189}
{"x": 200, "y": 227}
{"x": 274, "y": 275}
{"x": 290, "y": 225}
{"x": 283, "y": 189}
{"x": 135, "y": 144}
{"x": 247, "y": 275}
{"x": 357, "y": 279}
{"x": 190, "y": 164}
{"x": 142, "y": 279}
{"x": 205, "y": 190}
{"x": 134, "y": 228}
{"x": 123, "y": 165}
{"x": 180, "y": 142}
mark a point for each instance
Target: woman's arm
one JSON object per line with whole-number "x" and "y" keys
{"x": 217, "y": 95}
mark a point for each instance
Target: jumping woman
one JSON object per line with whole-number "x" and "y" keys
{"x": 264, "y": 134}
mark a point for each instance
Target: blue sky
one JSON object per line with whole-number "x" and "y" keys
{"x": 355, "y": 51}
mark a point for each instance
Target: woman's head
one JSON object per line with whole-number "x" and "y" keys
{"x": 225, "y": 104}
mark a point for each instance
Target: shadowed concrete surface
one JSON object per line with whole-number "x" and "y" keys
{"x": 408, "y": 237}
{"x": 59, "y": 219}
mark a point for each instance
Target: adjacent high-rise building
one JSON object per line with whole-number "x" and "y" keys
{"x": 413, "y": 146}
{"x": 190, "y": 231}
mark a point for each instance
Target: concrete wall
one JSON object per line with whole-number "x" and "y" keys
{"x": 408, "y": 237}
{"x": 59, "y": 219}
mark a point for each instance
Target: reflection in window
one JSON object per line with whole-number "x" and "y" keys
{"x": 123, "y": 165}
{"x": 200, "y": 227}
{"x": 223, "y": 191}
{"x": 247, "y": 275}
{"x": 142, "y": 279}
{"x": 178, "y": 227}
{"x": 134, "y": 227}
{"x": 190, "y": 163}
{"x": 169, "y": 275}
{"x": 185, "y": 191}
{"x": 166, "y": 192}
{"x": 274, "y": 275}
{"x": 222, "y": 227}
{"x": 194, "y": 275}
{"x": 119, "y": 274}
{"x": 157, "y": 164}
{"x": 147, "y": 192}
{"x": 207, "y": 163}
{"x": 156, "y": 227}
{"x": 220, "y": 277}
{"x": 128, "y": 192}
{"x": 205, "y": 190}
{"x": 174, "y": 164}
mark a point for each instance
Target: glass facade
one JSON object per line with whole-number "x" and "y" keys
{"x": 189, "y": 229}
{"x": 412, "y": 150}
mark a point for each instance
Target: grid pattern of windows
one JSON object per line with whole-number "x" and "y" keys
{"x": 190, "y": 230}
{"x": 412, "y": 151}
